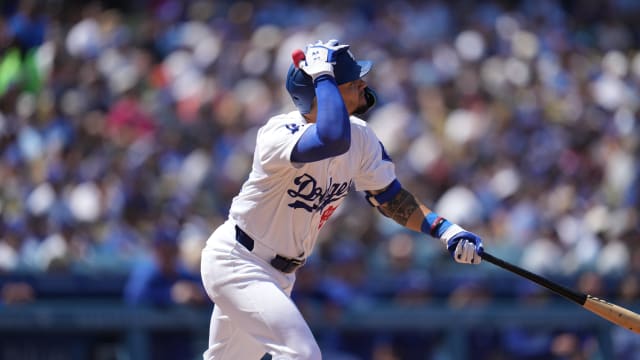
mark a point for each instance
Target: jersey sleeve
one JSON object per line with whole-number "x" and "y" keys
{"x": 377, "y": 169}
{"x": 276, "y": 140}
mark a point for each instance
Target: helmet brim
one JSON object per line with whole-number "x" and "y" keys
{"x": 365, "y": 67}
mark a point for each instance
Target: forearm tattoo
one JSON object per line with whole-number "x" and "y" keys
{"x": 400, "y": 207}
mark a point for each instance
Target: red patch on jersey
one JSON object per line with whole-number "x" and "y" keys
{"x": 326, "y": 214}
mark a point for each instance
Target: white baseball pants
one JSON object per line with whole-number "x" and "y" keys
{"x": 253, "y": 312}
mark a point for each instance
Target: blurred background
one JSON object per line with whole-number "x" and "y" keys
{"x": 126, "y": 127}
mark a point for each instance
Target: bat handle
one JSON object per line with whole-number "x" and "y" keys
{"x": 298, "y": 57}
{"x": 559, "y": 289}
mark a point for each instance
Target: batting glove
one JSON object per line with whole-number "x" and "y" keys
{"x": 320, "y": 58}
{"x": 465, "y": 247}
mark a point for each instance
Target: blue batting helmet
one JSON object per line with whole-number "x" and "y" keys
{"x": 300, "y": 85}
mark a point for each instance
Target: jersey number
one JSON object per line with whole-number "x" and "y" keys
{"x": 293, "y": 128}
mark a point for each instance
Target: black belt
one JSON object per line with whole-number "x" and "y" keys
{"x": 284, "y": 264}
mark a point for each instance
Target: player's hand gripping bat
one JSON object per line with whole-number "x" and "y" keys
{"x": 612, "y": 312}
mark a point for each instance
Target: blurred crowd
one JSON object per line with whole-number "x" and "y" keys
{"x": 122, "y": 122}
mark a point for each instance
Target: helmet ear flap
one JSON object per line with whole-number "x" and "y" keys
{"x": 371, "y": 97}
{"x": 300, "y": 87}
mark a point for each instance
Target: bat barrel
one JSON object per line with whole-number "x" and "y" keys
{"x": 614, "y": 313}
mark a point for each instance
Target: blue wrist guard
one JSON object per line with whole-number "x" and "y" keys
{"x": 434, "y": 225}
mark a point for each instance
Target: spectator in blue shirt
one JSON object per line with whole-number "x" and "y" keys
{"x": 163, "y": 280}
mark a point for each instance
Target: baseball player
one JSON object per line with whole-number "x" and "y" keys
{"x": 305, "y": 162}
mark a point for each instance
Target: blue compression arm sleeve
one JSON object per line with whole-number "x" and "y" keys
{"x": 331, "y": 135}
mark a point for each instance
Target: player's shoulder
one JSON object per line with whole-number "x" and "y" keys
{"x": 357, "y": 121}
{"x": 293, "y": 118}
{"x": 359, "y": 126}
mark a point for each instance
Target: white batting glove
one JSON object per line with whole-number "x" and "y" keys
{"x": 465, "y": 247}
{"x": 320, "y": 58}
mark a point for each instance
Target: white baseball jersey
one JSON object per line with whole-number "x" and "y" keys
{"x": 283, "y": 205}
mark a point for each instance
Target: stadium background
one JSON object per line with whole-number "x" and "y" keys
{"x": 127, "y": 126}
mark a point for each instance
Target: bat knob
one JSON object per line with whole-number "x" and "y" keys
{"x": 298, "y": 56}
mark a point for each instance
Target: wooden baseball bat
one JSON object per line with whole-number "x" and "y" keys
{"x": 606, "y": 310}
